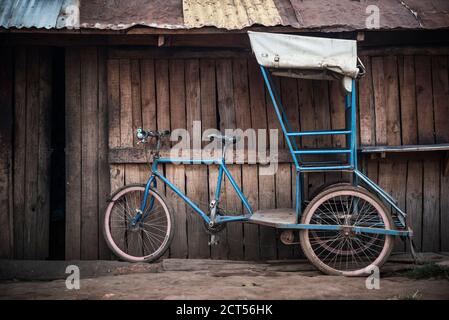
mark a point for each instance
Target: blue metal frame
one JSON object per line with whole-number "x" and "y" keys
{"x": 222, "y": 169}
{"x": 351, "y": 151}
{"x": 351, "y": 165}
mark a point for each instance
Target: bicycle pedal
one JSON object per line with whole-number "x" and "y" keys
{"x": 214, "y": 240}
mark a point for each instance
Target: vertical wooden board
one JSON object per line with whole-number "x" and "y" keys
{"x": 32, "y": 153}
{"x": 424, "y": 100}
{"x": 89, "y": 168}
{"x": 380, "y": 101}
{"x": 104, "y": 186}
{"x": 337, "y": 119}
{"x": 441, "y": 109}
{"x": 284, "y": 200}
{"x": 441, "y": 97}
{"x": 136, "y": 98}
{"x": 249, "y": 172}
{"x": 134, "y": 239}
{"x": 392, "y": 101}
{"x": 148, "y": 94}
{"x": 6, "y": 145}
{"x": 132, "y": 174}
{"x": 266, "y": 185}
{"x": 337, "y": 115}
{"x": 431, "y": 206}
{"x": 444, "y": 211}
{"x": 163, "y": 94}
{"x": 267, "y": 201}
{"x": 234, "y": 207}
{"x": 126, "y": 110}
{"x": 44, "y": 132}
{"x": 128, "y": 90}
{"x": 414, "y": 200}
{"x": 73, "y": 154}
{"x": 131, "y": 119}
{"x": 179, "y": 246}
{"x": 307, "y": 122}
{"x": 251, "y": 231}
{"x": 366, "y": 105}
{"x": 409, "y": 121}
{"x": 196, "y": 175}
{"x": 399, "y": 192}
{"x": 208, "y": 94}
{"x": 117, "y": 171}
{"x": 372, "y": 170}
{"x": 228, "y": 120}
{"x": 283, "y": 179}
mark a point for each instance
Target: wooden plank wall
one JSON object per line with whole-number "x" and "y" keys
{"x": 87, "y": 172}
{"x": 25, "y": 109}
{"x": 403, "y": 100}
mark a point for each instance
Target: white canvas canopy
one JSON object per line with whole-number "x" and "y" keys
{"x": 307, "y": 57}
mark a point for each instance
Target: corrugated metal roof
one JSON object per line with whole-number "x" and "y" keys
{"x": 324, "y": 15}
{"x": 230, "y": 14}
{"x": 46, "y": 14}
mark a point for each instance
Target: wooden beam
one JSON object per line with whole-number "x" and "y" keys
{"x": 406, "y": 148}
{"x": 403, "y": 50}
{"x": 139, "y": 155}
{"x": 175, "y": 53}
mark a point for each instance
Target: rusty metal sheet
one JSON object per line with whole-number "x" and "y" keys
{"x": 119, "y": 14}
{"x": 347, "y": 15}
{"x": 431, "y": 14}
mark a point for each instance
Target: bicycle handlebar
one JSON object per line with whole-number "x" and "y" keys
{"x": 143, "y": 135}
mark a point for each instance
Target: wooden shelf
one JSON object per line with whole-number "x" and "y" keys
{"x": 382, "y": 151}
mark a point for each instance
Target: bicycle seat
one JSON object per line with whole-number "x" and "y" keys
{"x": 225, "y": 139}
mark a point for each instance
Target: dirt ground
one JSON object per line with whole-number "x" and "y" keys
{"x": 208, "y": 279}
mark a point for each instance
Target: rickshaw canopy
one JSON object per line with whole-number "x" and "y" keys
{"x": 307, "y": 57}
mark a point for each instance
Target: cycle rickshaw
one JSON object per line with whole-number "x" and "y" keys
{"x": 345, "y": 230}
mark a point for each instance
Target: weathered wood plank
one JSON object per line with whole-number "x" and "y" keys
{"x": 392, "y": 101}
{"x": 117, "y": 171}
{"x": 196, "y": 175}
{"x": 424, "y": 100}
{"x": 20, "y": 71}
{"x": 89, "y": 141}
{"x": 44, "y": 132}
{"x": 32, "y": 153}
{"x": 148, "y": 93}
{"x": 431, "y": 207}
{"x": 380, "y": 106}
{"x": 366, "y": 105}
{"x": 441, "y": 109}
{"x": 73, "y": 155}
{"x": 6, "y": 145}
{"x": 176, "y": 53}
{"x": 104, "y": 185}
{"x": 249, "y": 172}
{"x": 179, "y": 246}
{"x": 228, "y": 120}
{"x": 409, "y": 122}
{"x": 414, "y": 198}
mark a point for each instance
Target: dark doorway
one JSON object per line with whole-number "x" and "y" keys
{"x": 57, "y": 189}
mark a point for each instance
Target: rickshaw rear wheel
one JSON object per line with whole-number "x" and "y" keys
{"x": 344, "y": 252}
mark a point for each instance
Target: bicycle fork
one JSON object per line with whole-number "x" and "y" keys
{"x": 152, "y": 183}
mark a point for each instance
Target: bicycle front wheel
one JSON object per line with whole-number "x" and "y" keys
{"x": 145, "y": 240}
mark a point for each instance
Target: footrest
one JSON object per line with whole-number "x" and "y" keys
{"x": 274, "y": 217}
